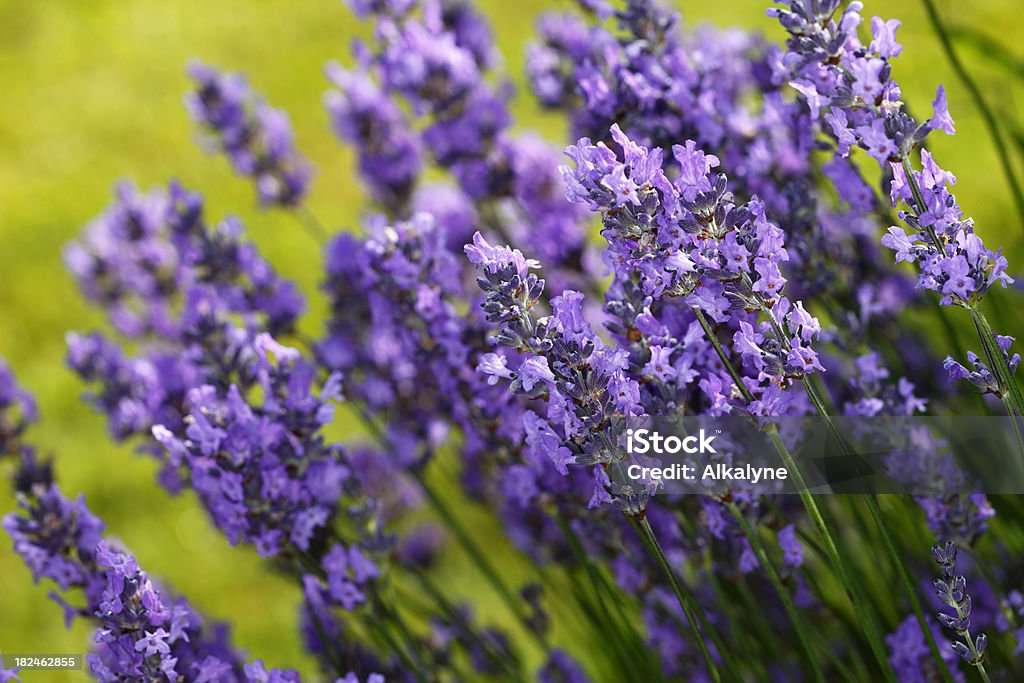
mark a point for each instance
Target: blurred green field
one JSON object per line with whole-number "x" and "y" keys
{"x": 91, "y": 92}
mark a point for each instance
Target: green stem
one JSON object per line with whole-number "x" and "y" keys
{"x": 983, "y": 106}
{"x": 908, "y": 586}
{"x": 866, "y": 620}
{"x": 380, "y": 627}
{"x": 776, "y": 580}
{"x": 452, "y": 613}
{"x": 1007, "y": 382}
{"x": 688, "y": 605}
{"x": 887, "y": 539}
{"x": 477, "y": 556}
{"x": 465, "y": 540}
{"x": 311, "y": 224}
{"x": 624, "y": 632}
{"x": 722, "y": 355}
{"x": 1009, "y": 392}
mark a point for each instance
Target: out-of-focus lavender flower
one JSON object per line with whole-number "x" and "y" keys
{"x": 438, "y": 61}
{"x": 256, "y": 138}
{"x": 17, "y": 411}
{"x": 148, "y": 253}
{"x": 963, "y": 517}
{"x": 871, "y": 392}
{"x": 8, "y": 674}
{"x": 364, "y": 8}
{"x": 910, "y": 656}
{"x": 257, "y": 672}
{"x": 389, "y": 151}
{"x": 792, "y": 550}
{"x": 140, "y": 634}
{"x": 420, "y": 547}
{"x": 562, "y": 668}
{"x": 352, "y": 678}
{"x": 1011, "y": 618}
{"x": 260, "y": 464}
{"x": 193, "y": 294}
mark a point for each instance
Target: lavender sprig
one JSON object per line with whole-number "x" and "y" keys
{"x": 852, "y": 83}
{"x": 256, "y": 138}
{"x": 951, "y": 589}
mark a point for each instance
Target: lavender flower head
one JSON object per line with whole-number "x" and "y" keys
{"x": 978, "y": 373}
{"x": 951, "y": 589}
{"x": 17, "y": 411}
{"x": 852, "y": 84}
{"x": 583, "y": 380}
{"x": 688, "y": 238}
{"x": 148, "y": 253}
{"x": 262, "y": 470}
{"x": 389, "y": 151}
{"x": 256, "y": 138}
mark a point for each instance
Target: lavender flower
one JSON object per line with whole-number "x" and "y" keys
{"x": 853, "y": 85}
{"x": 951, "y": 589}
{"x": 191, "y": 292}
{"x": 8, "y": 674}
{"x": 389, "y": 151}
{"x": 792, "y": 550}
{"x": 687, "y": 238}
{"x": 979, "y": 373}
{"x": 148, "y": 252}
{"x": 709, "y": 310}
{"x": 255, "y": 137}
{"x": 910, "y": 657}
{"x": 262, "y": 471}
{"x": 1012, "y": 617}
{"x": 583, "y": 380}
{"x": 561, "y": 668}
{"x": 139, "y": 633}
{"x": 17, "y": 411}
{"x": 438, "y": 63}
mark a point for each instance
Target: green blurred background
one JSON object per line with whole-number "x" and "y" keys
{"x": 91, "y": 91}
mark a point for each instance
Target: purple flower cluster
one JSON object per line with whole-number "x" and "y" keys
{"x": 951, "y": 589}
{"x": 141, "y": 633}
{"x": 910, "y": 657}
{"x": 688, "y": 239}
{"x": 17, "y": 411}
{"x": 389, "y": 150}
{"x": 263, "y": 470}
{"x": 256, "y": 138}
{"x": 480, "y": 385}
{"x": 978, "y": 373}
{"x": 583, "y": 380}
{"x": 851, "y": 95}
{"x": 192, "y": 293}
{"x": 435, "y": 58}
{"x": 152, "y": 263}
